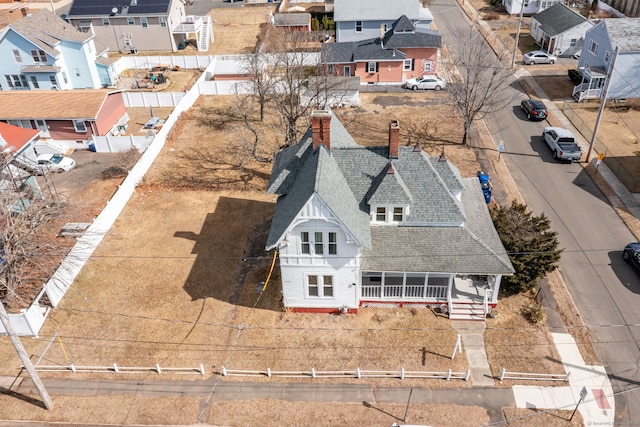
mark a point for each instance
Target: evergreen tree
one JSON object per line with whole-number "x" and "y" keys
{"x": 315, "y": 24}
{"x": 532, "y": 247}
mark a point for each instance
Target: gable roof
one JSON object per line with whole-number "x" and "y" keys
{"x": 16, "y": 136}
{"x": 125, "y": 7}
{"x": 46, "y": 30}
{"x": 374, "y": 10}
{"x": 624, "y": 32}
{"x": 558, "y": 18}
{"x": 446, "y": 229}
{"x": 52, "y": 104}
{"x": 402, "y": 34}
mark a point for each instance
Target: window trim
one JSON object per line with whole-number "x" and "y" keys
{"x": 16, "y": 56}
{"x": 131, "y": 21}
{"x": 408, "y": 65}
{"x": 319, "y": 286}
{"x": 78, "y": 125}
{"x": 607, "y": 57}
{"x": 163, "y": 21}
{"x": 358, "y": 26}
{"x": 38, "y": 55}
{"x": 319, "y": 243}
{"x": 144, "y": 22}
{"x": 372, "y": 67}
{"x": 106, "y": 22}
{"x": 593, "y": 47}
{"x": 34, "y": 82}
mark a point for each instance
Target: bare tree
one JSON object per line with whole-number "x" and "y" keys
{"x": 256, "y": 66}
{"x": 26, "y": 254}
{"x": 482, "y": 88}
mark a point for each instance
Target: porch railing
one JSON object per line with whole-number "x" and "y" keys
{"x": 583, "y": 92}
{"x": 406, "y": 292}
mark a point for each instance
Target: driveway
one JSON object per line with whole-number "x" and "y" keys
{"x": 89, "y": 166}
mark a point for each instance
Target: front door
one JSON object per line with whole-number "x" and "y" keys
{"x": 41, "y": 125}
{"x": 347, "y": 71}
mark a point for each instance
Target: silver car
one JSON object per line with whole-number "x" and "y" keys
{"x": 538, "y": 57}
{"x": 425, "y": 82}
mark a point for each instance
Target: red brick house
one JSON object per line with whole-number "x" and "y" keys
{"x": 401, "y": 53}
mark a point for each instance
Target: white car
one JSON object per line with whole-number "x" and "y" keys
{"x": 56, "y": 162}
{"x": 425, "y": 82}
{"x": 538, "y": 57}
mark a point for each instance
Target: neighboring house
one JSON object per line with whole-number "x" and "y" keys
{"x": 630, "y": 8}
{"x": 361, "y": 19}
{"x": 65, "y": 115}
{"x": 527, "y": 7}
{"x": 403, "y": 52}
{"x": 559, "y": 30}
{"x": 291, "y": 21}
{"x": 148, "y": 25}
{"x": 19, "y": 142}
{"x": 41, "y": 51}
{"x": 599, "y": 53}
{"x": 331, "y": 91}
{"x": 360, "y": 226}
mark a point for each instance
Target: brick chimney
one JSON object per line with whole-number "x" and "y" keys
{"x": 320, "y": 127}
{"x": 394, "y": 138}
{"x": 24, "y": 10}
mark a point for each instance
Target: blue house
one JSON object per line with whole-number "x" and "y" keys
{"x": 363, "y": 19}
{"x": 42, "y": 51}
{"x": 599, "y": 55}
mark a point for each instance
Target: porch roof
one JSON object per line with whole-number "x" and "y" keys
{"x": 474, "y": 248}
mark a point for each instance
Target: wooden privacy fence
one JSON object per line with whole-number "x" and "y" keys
{"x": 357, "y": 373}
{"x": 118, "y": 369}
{"x": 504, "y": 375}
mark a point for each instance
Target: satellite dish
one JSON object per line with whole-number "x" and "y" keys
{"x": 114, "y": 10}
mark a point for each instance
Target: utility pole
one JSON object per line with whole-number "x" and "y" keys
{"x": 603, "y": 103}
{"x": 24, "y": 357}
{"x": 515, "y": 47}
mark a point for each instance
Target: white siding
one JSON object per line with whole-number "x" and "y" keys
{"x": 296, "y": 266}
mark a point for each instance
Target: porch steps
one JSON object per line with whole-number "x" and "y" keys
{"x": 205, "y": 35}
{"x": 467, "y": 311}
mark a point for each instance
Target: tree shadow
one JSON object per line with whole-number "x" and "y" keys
{"x": 231, "y": 263}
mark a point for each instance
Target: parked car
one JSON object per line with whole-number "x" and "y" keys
{"x": 425, "y": 82}
{"x": 631, "y": 254}
{"x": 485, "y": 184}
{"x": 575, "y": 76}
{"x": 56, "y": 162}
{"x": 535, "y": 110}
{"x": 538, "y": 57}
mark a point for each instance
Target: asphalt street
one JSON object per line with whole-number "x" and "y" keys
{"x": 605, "y": 289}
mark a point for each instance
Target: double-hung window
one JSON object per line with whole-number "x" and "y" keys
{"x": 372, "y": 67}
{"x": 16, "y": 55}
{"x": 318, "y": 243}
{"x": 358, "y": 26}
{"x": 593, "y": 47}
{"x": 144, "y": 22}
{"x": 319, "y": 286}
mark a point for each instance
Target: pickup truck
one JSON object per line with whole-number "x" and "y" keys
{"x": 562, "y": 144}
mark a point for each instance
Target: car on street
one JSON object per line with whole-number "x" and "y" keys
{"x": 425, "y": 82}
{"x": 534, "y": 109}
{"x": 538, "y": 57}
{"x": 485, "y": 184}
{"x": 56, "y": 162}
{"x": 631, "y": 254}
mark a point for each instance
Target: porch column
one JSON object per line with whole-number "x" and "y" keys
{"x": 494, "y": 284}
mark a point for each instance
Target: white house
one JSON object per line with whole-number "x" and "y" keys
{"x": 527, "y": 7}
{"x": 41, "y": 51}
{"x": 559, "y": 30}
{"x": 362, "y": 19}
{"x": 380, "y": 226}
{"x": 599, "y": 55}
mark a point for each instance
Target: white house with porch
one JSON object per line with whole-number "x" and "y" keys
{"x": 389, "y": 226}
{"x": 599, "y": 55}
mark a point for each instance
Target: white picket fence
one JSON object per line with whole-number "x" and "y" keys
{"x": 119, "y": 369}
{"x": 504, "y": 375}
{"x": 152, "y": 99}
{"x": 145, "y": 62}
{"x": 120, "y": 144}
{"x": 357, "y": 373}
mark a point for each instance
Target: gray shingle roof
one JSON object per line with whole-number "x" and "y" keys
{"x": 624, "y": 32}
{"x": 46, "y": 30}
{"x": 440, "y": 234}
{"x": 472, "y": 249}
{"x": 402, "y": 34}
{"x": 291, "y": 19}
{"x": 374, "y": 10}
{"x": 558, "y": 18}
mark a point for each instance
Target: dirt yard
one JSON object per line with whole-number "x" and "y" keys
{"x": 194, "y": 297}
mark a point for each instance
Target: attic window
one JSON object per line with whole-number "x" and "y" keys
{"x": 39, "y": 55}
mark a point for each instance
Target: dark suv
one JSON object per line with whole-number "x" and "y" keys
{"x": 631, "y": 254}
{"x": 535, "y": 110}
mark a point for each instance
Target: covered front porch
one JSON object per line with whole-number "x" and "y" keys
{"x": 461, "y": 291}
{"x": 592, "y": 85}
